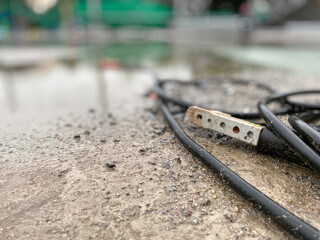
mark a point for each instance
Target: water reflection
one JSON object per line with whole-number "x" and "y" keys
{"x": 113, "y": 76}
{"x": 9, "y": 90}
{"x": 46, "y": 87}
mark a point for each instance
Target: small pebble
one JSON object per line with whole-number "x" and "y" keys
{"x": 110, "y": 165}
{"x": 177, "y": 160}
{"x": 187, "y": 213}
{"x": 166, "y": 165}
{"x": 236, "y": 209}
{"x": 63, "y": 172}
{"x": 77, "y": 137}
{"x": 195, "y": 222}
{"x": 206, "y": 202}
{"x": 159, "y": 130}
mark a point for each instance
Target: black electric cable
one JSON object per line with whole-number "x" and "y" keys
{"x": 286, "y": 219}
{"x": 306, "y": 131}
{"x": 309, "y": 116}
{"x": 304, "y": 151}
{"x": 282, "y": 216}
{"x": 304, "y": 105}
{"x": 159, "y": 90}
{"x": 273, "y": 146}
{"x": 268, "y": 143}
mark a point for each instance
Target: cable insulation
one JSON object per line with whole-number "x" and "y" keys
{"x": 282, "y": 216}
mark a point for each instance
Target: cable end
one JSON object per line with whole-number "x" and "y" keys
{"x": 226, "y": 124}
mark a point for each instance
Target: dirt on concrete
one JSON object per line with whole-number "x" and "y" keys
{"x": 109, "y": 175}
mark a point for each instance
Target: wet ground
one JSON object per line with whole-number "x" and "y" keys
{"x": 85, "y": 152}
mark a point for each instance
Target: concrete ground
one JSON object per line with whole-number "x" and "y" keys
{"x": 86, "y": 154}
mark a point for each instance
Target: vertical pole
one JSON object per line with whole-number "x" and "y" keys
{"x": 94, "y": 12}
{"x": 67, "y": 17}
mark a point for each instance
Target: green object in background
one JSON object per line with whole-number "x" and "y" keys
{"x": 130, "y": 54}
{"x": 133, "y": 54}
{"x": 135, "y": 12}
{"x": 5, "y": 15}
{"x": 22, "y": 15}
{"x": 80, "y": 10}
{"x": 114, "y": 13}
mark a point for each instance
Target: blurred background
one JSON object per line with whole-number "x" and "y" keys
{"x": 61, "y": 57}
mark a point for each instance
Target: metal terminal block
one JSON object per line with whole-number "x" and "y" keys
{"x": 226, "y": 124}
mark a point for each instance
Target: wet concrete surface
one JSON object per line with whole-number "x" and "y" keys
{"x": 85, "y": 153}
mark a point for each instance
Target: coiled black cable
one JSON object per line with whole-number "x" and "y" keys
{"x": 250, "y": 193}
{"x": 306, "y": 131}
{"x": 282, "y": 216}
{"x": 303, "y": 150}
{"x": 304, "y": 105}
{"x": 159, "y": 90}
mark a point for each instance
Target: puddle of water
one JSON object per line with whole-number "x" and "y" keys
{"x": 39, "y": 88}
{"x": 58, "y": 88}
{"x": 46, "y": 92}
